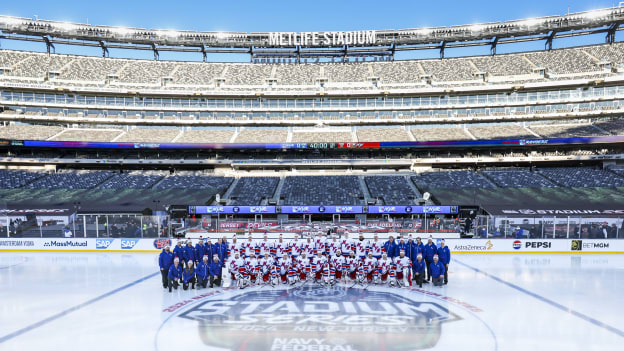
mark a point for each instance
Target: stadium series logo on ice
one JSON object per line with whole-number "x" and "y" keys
{"x": 316, "y": 318}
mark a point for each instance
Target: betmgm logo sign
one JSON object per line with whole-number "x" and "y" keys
{"x": 317, "y": 318}
{"x": 577, "y": 245}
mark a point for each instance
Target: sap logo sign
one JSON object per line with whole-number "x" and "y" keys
{"x": 127, "y": 244}
{"x": 103, "y": 244}
{"x": 538, "y": 245}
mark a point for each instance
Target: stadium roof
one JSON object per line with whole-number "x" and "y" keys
{"x": 316, "y": 44}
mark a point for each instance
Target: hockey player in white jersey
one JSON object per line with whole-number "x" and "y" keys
{"x": 361, "y": 246}
{"x": 317, "y": 264}
{"x": 234, "y": 264}
{"x": 339, "y": 264}
{"x": 266, "y": 262}
{"x": 304, "y": 266}
{"x": 253, "y": 266}
{"x": 249, "y": 246}
{"x": 353, "y": 263}
{"x": 375, "y": 247}
{"x": 284, "y": 264}
{"x": 319, "y": 244}
{"x": 264, "y": 247}
{"x": 370, "y": 263}
{"x": 404, "y": 268}
{"x": 235, "y": 247}
{"x": 333, "y": 246}
{"x": 296, "y": 246}
{"x": 308, "y": 247}
{"x": 346, "y": 244}
{"x": 383, "y": 264}
{"x": 280, "y": 247}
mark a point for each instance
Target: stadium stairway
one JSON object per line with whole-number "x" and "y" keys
{"x": 409, "y": 182}
{"x": 229, "y": 191}
{"x": 365, "y": 191}
{"x": 278, "y": 190}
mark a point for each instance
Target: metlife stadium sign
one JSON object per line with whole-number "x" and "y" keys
{"x": 290, "y": 39}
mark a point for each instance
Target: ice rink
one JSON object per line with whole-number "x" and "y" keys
{"x": 97, "y": 301}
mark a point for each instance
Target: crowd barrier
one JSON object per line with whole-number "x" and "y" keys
{"x": 460, "y": 246}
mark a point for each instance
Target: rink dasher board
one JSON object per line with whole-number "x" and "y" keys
{"x": 457, "y": 246}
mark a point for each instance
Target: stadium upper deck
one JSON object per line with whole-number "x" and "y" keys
{"x": 500, "y": 72}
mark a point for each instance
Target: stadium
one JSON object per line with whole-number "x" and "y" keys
{"x": 320, "y": 137}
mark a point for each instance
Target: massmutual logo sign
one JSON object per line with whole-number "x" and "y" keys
{"x": 315, "y": 318}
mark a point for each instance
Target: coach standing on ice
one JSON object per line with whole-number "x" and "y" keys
{"x": 429, "y": 251}
{"x": 390, "y": 247}
{"x": 444, "y": 254}
{"x": 164, "y": 261}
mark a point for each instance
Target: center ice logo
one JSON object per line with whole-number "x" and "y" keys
{"x": 317, "y": 318}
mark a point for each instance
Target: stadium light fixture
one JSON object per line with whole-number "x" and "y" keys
{"x": 424, "y": 32}
{"x": 597, "y": 14}
{"x": 530, "y": 23}
{"x": 476, "y": 28}
{"x": 122, "y": 31}
{"x": 168, "y": 33}
{"x": 66, "y": 26}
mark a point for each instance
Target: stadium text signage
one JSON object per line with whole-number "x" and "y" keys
{"x": 365, "y": 37}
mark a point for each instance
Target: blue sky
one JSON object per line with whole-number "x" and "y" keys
{"x": 297, "y": 16}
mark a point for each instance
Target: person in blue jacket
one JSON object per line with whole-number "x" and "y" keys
{"x": 165, "y": 260}
{"x": 216, "y": 267}
{"x": 203, "y": 273}
{"x": 209, "y": 249}
{"x": 178, "y": 251}
{"x": 175, "y": 274}
{"x": 199, "y": 251}
{"x": 419, "y": 269}
{"x": 429, "y": 251}
{"x": 220, "y": 249}
{"x": 390, "y": 247}
{"x": 402, "y": 246}
{"x": 189, "y": 252}
{"x": 188, "y": 276}
{"x": 411, "y": 251}
{"x": 420, "y": 245}
{"x": 444, "y": 255}
{"x": 437, "y": 271}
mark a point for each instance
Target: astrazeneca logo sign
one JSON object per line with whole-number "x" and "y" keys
{"x": 315, "y": 318}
